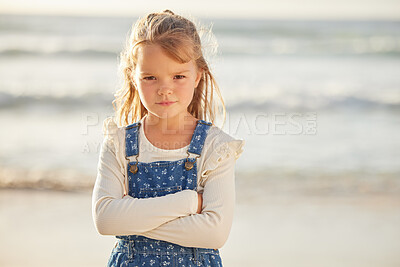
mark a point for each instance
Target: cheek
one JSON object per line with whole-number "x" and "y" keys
{"x": 145, "y": 92}
{"x": 189, "y": 84}
{"x": 188, "y": 93}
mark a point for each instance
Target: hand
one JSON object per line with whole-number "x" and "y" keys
{"x": 200, "y": 202}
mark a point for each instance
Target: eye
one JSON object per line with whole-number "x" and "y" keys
{"x": 149, "y": 78}
{"x": 179, "y": 77}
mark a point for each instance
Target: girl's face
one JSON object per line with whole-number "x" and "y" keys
{"x": 159, "y": 79}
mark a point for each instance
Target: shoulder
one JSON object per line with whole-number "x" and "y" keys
{"x": 221, "y": 150}
{"x": 110, "y": 126}
{"x": 113, "y": 133}
{"x": 222, "y": 144}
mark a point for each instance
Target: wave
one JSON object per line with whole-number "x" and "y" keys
{"x": 250, "y": 184}
{"x": 104, "y": 37}
{"x": 267, "y": 52}
{"x": 59, "y": 180}
{"x": 8, "y": 101}
{"x": 11, "y": 101}
{"x": 313, "y": 104}
{"x": 267, "y": 49}
{"x": 89, "y": 53}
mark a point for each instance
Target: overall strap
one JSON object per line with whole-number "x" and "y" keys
{"x": 199, "y": 136}
{"x": 132, "y": 139}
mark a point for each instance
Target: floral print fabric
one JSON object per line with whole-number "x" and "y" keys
{"x": 156, "y": 179}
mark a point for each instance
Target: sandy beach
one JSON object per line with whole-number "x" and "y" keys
{"x": 55, "y": 228}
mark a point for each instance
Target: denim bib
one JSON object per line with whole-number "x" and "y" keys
{"x": 156, "y": 179}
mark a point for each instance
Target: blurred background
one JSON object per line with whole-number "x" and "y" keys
{"x": 312, "y": 86}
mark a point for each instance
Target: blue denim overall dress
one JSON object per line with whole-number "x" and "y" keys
{"x": 157, "y": 179}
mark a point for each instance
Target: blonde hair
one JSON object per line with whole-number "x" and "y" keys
{"x": 179, "y": 38}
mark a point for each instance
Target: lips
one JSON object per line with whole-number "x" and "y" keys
{"x": 166, "y": 103}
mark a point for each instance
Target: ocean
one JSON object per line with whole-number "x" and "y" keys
{"x": 316, "y": 99}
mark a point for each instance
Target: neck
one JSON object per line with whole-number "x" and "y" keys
{"x": 180, "y": 124}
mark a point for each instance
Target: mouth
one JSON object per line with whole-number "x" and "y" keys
{"x": 166, "y": 103}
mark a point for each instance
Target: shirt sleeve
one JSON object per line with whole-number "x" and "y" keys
{"x": 116, "y": 214}
{"x": 210, "y": 228}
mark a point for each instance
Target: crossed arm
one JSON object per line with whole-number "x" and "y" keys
{"x": 211, "y": 227}
{"x": 174, "y": 217}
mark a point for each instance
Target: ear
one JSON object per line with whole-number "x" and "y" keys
{"x": 198, "y": 77}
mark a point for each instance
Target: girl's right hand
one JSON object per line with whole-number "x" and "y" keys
{"x": 200, "y": 202}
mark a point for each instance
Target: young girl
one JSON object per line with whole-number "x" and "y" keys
{"x": 165, "y": 185}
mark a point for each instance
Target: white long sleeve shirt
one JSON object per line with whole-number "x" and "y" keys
{"x": 173, "y": 217}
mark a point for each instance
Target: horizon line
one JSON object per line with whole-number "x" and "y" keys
{"x": 216, "y": 17}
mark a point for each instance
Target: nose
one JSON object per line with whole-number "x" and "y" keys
{"x": 165, "y": 89}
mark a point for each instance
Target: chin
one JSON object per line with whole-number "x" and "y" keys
{"x": 165, "y": 115}
{"x": 168, "y": 115}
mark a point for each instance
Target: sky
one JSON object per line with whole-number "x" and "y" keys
{"x": 263, "y": 9}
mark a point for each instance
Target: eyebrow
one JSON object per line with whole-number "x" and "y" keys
{"x": 148, "y": 73}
